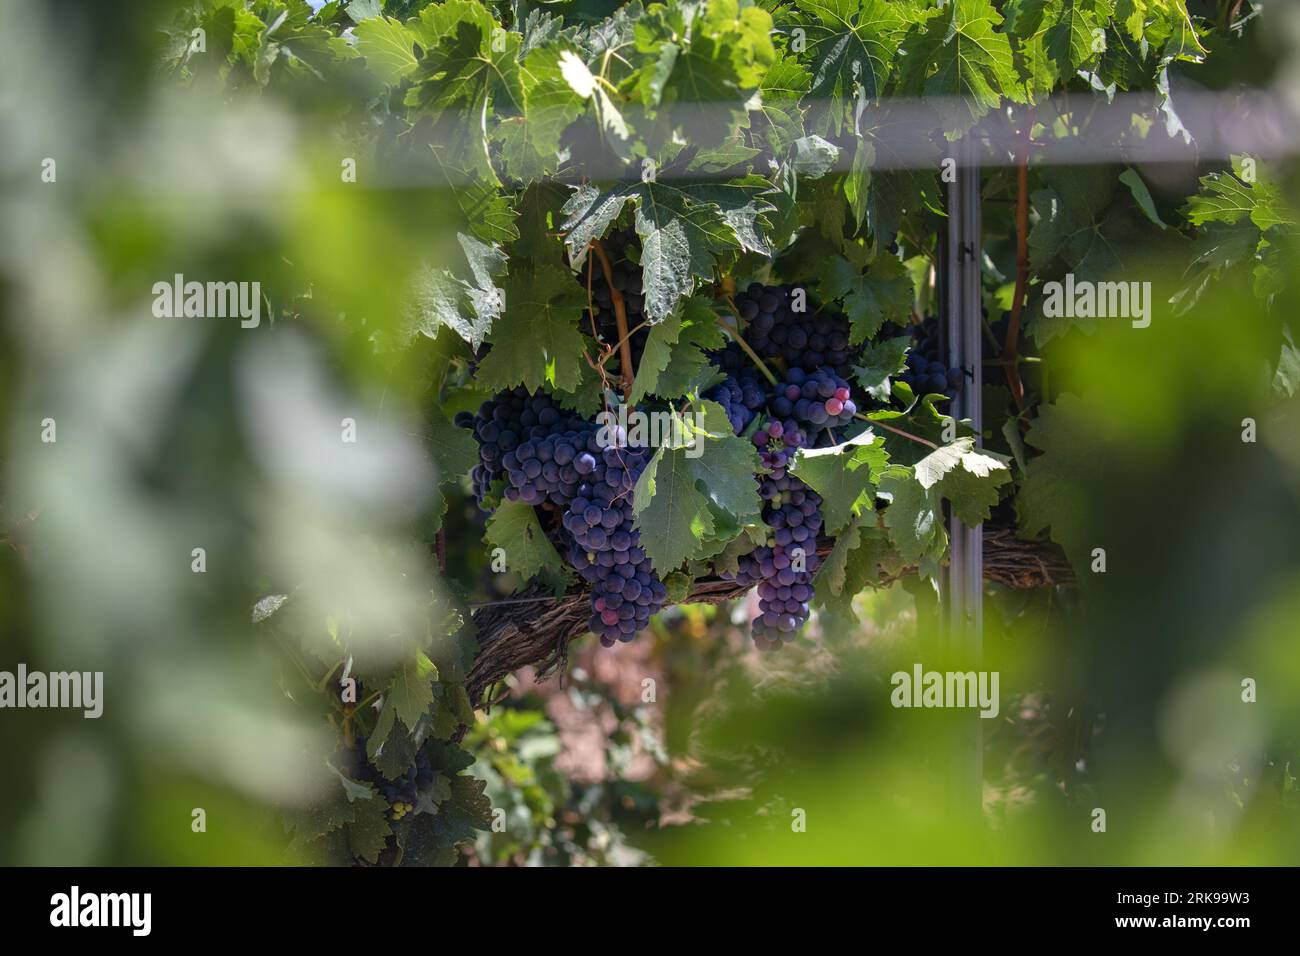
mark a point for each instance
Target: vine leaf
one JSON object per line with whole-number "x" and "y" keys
{"x": 683, "y": 227}
{"x": 469, "y": 67}
{"x": 536, "y": 342}
{"x": 725, "y": 466}
{"x": 411, "y": 691}
{"x": 388, "y": 46}
{"x": 872, "y": 295}
{"x": 697, "y": 61}
{"x": 674, "y": 360}
{"x": 777, "y": 120}
{"x": 968, "y": 477}
{"x": 914, "y": 516}
{"x": 1066, "y": 30}
{"x": 531, "y": 140}
{"x": 842, "y": 475}
{"x": 312, "y": 823}
{"x": 1051, "y": 496}
{"x": 369, "y": 831}
{"x": 686, "y": 489}
{"x": 467, "y": 301}
{"x": 455, "y": 452}
{"x": 671, "y": 513}
{"x": 1228, "y": 198}
{"x": 860, "y": 551}
{"x": 514, "y": 528}
{"x": 853, "y": 43}
{"x": 956, "y": 53}
{"x": 879, "y": 362}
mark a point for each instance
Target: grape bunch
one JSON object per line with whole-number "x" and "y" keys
{"x": 784, "y": 566}
{"x": 926, "y": 373}
{"x": 626, "y": 278}
{"x": 548, "y": 469}
{"x": 550, "y": 457}
{"x": 402, "y": 793}
{"x": 777, "y": 442}
{"x": 506, "y": 421}
{"x": 804, "y": 339}
{"x": 821, "y": 398}
{"x": 741, "y": 397}
{"x": 606, "y": 549}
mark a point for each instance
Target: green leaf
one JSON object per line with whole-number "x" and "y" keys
{"x": 968, "y": 477}
{"x": 710, "y": 55}
{"x": 1286, "y": 381}
{"x": 531, "y": 140}
{"x": 1066, "y": 29}
{"x": 859, "y": 554}
{"x": 724, "y": 465}
{"x": 388, "y": 46}
{"x": 671, "y": 513}
{"x": 914, "y": 516}
{"x": 411, "y": 691}
{"x": 389, "y": 750}
{"x": 853, "y": 44}
{"x": 352, "y": 789}
{"x": 1052, "y": 495}
{"x": 1229, "y": 198}
{"x": 842, "y": 475}
{"x": 1218, "y": 247}
{"x": 1142, "y": 195}
{"x": 467, "y": 67}
{"x": 455, "y": 452}
{"x": 313, "y": 823}
{"x": 536, "y": 343}
{"x": 956, "y": 53}
{"x": 467, "y": 301}
{"x": 872, "y": 294}
{"x": 683, "y": 227}
{"x": 514, "y": 528}
{"x": 879, "y": 361}
{"x": 538, "y": 209}
{"x": 813, "y": 156}
{"x": 832, "y": 574}
{"x": 777, "y": 120}
{"x": 655, "y": 356}
{"x": 675, "y": 360}
{"x": 368, "y": 833}
{"x": 1068, "y": 209}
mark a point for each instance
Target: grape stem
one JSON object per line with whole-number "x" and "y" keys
{"x": 897, "y": 431}
{"x": 597, "y": 366}
{"x": 620, "y": 317}
{"x": 734, "y": 332}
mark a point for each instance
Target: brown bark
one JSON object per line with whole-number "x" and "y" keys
{"x": 537, "y": 630}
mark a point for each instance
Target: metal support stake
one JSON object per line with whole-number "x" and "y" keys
{"x": 963, "y": 588}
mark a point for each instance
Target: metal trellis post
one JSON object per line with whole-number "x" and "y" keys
{"x": 962, "y": 590}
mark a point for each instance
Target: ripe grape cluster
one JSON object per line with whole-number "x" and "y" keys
{"x": 545, "y": 457}
{"x": 741, "y": 397}
{"x": 606, "y": 549}
{"x": 626, "y": 278}
{"x": 820, "y": 398}
{"x": 402, "y": 793}
{"x": 504, "y": 423}
{"x": 550, "y": 457}
{"x": 926, "y": 373}
{"x": 784, "y": 566}
{"x": 805, "y": 339}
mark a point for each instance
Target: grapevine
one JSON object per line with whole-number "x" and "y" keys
{"x": 726, "y": 219}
